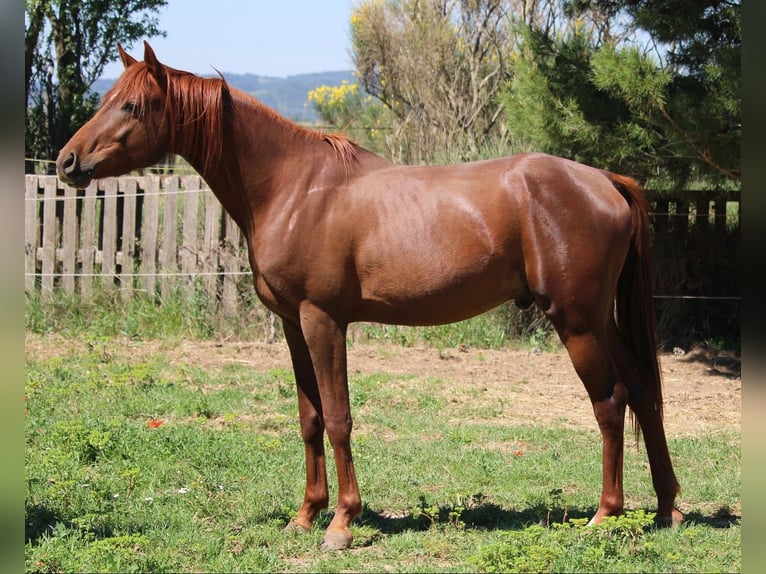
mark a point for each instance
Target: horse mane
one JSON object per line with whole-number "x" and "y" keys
{"x": 346, "y": 150}
{"x": 202, "y": 106}
{"x": 198, "y": 104}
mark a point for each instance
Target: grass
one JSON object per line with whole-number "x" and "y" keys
{"x": 146, "y": 465}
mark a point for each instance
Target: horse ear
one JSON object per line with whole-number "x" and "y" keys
{"x": 127, "y": 59}
{"x": 151, "y": 61}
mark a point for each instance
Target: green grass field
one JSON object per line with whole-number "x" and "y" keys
{"x": 146, "y": 465}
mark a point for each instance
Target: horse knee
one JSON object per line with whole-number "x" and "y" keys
{"x": 312, "y": 428}
{"x": 316, "y": 498}
{"x": 338, "y": 428}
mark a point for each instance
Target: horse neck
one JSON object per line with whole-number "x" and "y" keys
{"x": 276, "y": 153}
{"x": 265, "y": 158}
{"x": 207, "y": 151}
{"x": 259, "y": 158}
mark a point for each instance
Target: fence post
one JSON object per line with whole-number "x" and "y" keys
{"x": 231, "y": 267}
{"x": 169, "y": 252}
{"x": 703, "y": 211}
{"x": 148, "y": 256}
{"x": 31, "y": 232}
{"x": 189, "y": 245}
{"x": 109, "y": 231}
{"x": 89, "y": 240}
{"x": 69, "y": 239}
{"x": 49, "y": 234}
{"x": 661, "y": 215}
{"x": 210, "y": 246}
{"x": 681, "y": 223}
{"x": 720, "y": 217}
{"x": 128, "y": 240}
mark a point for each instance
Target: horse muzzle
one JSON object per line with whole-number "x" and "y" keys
{"x": 70, "y": 170}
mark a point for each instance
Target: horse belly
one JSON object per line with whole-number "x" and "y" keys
{"x": 436, "y": 292}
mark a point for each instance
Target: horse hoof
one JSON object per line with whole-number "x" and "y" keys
{"x": 599, "y": 516}
{"x": 673, "y": 521}
{"x": 337, "y": 540}
{"x": 293, "y": 526}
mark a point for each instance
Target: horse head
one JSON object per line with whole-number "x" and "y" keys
{"x": 129, "y": 130}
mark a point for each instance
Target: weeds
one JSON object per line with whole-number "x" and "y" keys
{"x": 452, "y": 515}
{"x": 574, "y": 546}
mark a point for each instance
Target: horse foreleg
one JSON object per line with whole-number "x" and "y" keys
{"x": 326, "y": 341}
{"x": 316, "y": 496}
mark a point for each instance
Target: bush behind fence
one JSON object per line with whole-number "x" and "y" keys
{"x": 161, "y": 233}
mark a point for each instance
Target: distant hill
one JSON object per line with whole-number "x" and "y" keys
{"x": 289, "y": 96}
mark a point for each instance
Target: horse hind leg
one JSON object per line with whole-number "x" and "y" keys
{"x": 644, "y": 401}
{"x": 614, "y": 379}
{"x": 609, "y": 397}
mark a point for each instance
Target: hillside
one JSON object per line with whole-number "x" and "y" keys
{"x": 289, "y": 96}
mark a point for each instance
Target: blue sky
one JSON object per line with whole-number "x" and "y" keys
{"x": 263, "y": 37}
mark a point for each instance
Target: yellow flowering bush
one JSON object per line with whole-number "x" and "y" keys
{"x": 348, "y": 108}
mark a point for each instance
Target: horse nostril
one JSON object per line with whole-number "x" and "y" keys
{"x": 70, "y": 165}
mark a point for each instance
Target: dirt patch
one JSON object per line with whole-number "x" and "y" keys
{"x": 702, "y": 388}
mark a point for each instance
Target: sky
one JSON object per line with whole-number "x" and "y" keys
{"x": 263, "y": 37}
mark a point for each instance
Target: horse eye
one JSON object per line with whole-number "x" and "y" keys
{"x": 130, "y": 107}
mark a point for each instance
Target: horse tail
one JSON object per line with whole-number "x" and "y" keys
{"x": 635, "y": 314}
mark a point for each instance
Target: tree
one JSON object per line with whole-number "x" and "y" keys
{"x": 647, "y": 88}
{"x": 704, "y": 40}
{"x": 438, "y": 66}
{"x": 555, "y": 101}
{"x": 67, "y": 43}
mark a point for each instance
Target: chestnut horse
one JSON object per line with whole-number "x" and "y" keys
{"x": 337, "y": 234}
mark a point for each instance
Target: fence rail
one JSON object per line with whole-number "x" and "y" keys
{"x": 154, "y": 232}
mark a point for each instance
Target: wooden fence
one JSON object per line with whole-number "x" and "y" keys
{"x": 687, "y": 209}
{"x": 157, "y": 232}
{"x": 151, "y": 233}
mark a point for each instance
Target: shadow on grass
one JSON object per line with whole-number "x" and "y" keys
{"x": 489, "y": 516}
{"x": 478, "y": 515}
{"x": 39, "y": 520}
{"x": 723, "y": 518}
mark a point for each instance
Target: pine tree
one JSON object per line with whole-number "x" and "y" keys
{"x": 657, "y": 95}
